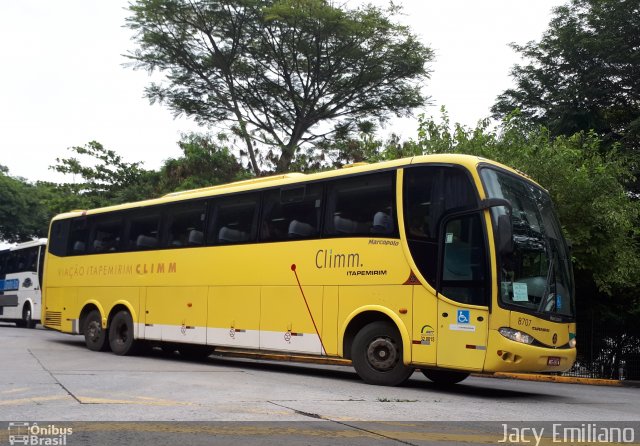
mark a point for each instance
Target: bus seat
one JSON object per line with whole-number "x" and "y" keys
{"x": 300, "y": 229}
{"x": 195, "y": 237}
{"x": 382, "y": 223}
{"x": 144, "y": 241}
{"x": 98, "y": 246}
{"x": 228, "y": 235}
{"x": 79, "y": 247}
{"x": 344, "y": 225}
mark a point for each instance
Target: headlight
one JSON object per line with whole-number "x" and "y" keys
{"x": 572, "y": 343}
{"x": 516, "y": 335}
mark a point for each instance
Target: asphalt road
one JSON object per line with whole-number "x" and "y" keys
{"x": 49, "y": 376}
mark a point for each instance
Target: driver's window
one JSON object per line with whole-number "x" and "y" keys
{"x": 464, "y": 264}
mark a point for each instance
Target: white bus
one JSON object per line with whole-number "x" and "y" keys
{"x": 20, "y": 279}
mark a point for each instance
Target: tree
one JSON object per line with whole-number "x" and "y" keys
{"x": 282, "y": 73}
{"x": 205, "y": 162}
{"x": 584, "y": 74}
{"x": 22, "y": 217}
{"x": 101, "y": 177}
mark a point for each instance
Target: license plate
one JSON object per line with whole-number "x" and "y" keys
{"x": 553, "y": 361}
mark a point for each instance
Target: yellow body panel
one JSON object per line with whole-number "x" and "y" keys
{"x": 425, "y": 323}
{"x": 253, "y": 296}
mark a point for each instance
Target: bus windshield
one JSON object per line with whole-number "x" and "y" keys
{"x": 536, "y": 277}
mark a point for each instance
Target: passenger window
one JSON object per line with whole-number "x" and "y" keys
{"x": 233, "y": 219}
{"x": 363, "y": 205}
{"x": 464, "y": 265}
{"x": 78, "y": 237}
{"x": 143, "y": 231}
{"x": 185, "y": 225}
{"x": 430, "y": 192}
{"x": 107, "y": 234}
{"x": 291, "y": 213}
{"x": 58, "y": 238}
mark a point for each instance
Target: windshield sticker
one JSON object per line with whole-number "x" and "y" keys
{"x": 449, "y": 237}
{"x": 520, "y": 293}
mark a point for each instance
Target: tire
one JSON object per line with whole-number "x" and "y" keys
{"x": 195, "y": 352}
{"x": 27, "y": 317}
{"x": 121, "y": 338}
{"x": 95, "y": 337}
{"x": 376, "y": 354}
{"x": 444, "y": 377}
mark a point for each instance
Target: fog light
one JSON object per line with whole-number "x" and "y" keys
{"x": 516, "y": 335}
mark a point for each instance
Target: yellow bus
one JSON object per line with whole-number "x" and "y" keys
{"x": 450, "y": 264}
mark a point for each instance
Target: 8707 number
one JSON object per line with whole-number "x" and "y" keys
{"x": 524, "y": 321}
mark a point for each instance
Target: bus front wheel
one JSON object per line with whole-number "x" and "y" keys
{"x": 121, "y": 338}
{"x": 377, "y": 355}
{"x": 95, "y": 337}
{"x": 444, "y": 377}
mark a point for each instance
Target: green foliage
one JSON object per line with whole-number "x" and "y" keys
{"x": 205, "y": 162}
{"x": 584, "y": 74}
{"x": 281, "y": 73}
{"x": 100, "y": 177}
{"x": 22, "y": 214}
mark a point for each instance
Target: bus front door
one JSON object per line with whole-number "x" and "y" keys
{"x": 462, "y": 337}
{"x": 462, "y": 294}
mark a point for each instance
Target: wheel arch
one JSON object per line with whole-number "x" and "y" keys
{"x": 123, "y": 305}
{"x": 87, "y": 308}
{"x": 28, "y": 301}
{"x": 366, "y": 315}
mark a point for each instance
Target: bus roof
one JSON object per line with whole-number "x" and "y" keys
{"x": 31, "y": 244}
{"x": 258, "y": 183}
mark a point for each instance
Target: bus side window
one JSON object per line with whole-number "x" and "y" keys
{"x": 106, "y": 235}
{"x": 57, "y": 243}
{"x": 78, "y": 237}
{"x": 291, "y": 213}
{"x": 233, "y": 219}
{"x": 464, "y": 265}
{"x": 143, "y": 231}
{"x": 3, "y": 262}
{"x": 363, "y": 205}
{"x": 185, "y": 225}
{"x": 429, "y": 192}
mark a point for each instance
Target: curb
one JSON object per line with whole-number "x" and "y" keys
{"x": 564, "y": 379}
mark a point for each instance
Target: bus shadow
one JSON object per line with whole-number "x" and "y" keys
{"x": 491, "y": 390}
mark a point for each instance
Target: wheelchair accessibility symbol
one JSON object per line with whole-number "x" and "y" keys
{"x": 463, "y": 316}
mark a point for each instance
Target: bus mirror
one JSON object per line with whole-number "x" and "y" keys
{"x": 505, "y": 235}
{"x": 489, "y": 203}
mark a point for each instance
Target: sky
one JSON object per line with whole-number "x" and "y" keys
{"x": 63, "y": 83}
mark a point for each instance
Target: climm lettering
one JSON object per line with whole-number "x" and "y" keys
{"x": 156, "y": 268}
{"x": 327, "y": 259}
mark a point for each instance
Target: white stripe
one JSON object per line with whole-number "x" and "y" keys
{"x": 227, "y": 337}
{"x": 288, "y": 342}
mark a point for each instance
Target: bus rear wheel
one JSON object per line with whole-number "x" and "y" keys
{"x": 444, "y": 377}
{"x": 95, "y": 337}
{"x": 121, "y": 338}
{"x": 377, "y": 355}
